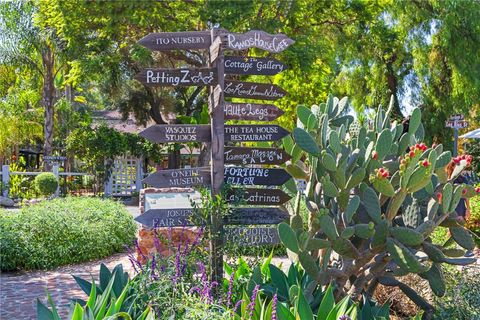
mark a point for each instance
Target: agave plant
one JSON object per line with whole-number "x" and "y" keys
{"x": 107, "y": 301}
{"x": 374, "y": 197}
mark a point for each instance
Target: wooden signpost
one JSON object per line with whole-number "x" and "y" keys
{"x": 179, "y": 217}
{"x": 242, "y": 133}
{"x": 177, "y": 40}
{"x": 178, "y": 178}
{"x": 177, "y": 133}
{"x": 216, "y": 133}
{"x": 253, "y": 90}
{"x": 257, "y": 196}
{"x": 253, "y": 66}
{"x": 251, "y": 111}
{"x": 178, "y": 77}
{"x": 240, "y": 155}
{"x": 255, "y": 176}
{"x": 255, "y": 236}
{"x": 258, "y": 39}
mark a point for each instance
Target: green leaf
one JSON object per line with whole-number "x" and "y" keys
{"x": 92, "y": 298}
{"x": 305, "y": 141}
{"x": 43, "y": 313}
{"x": 283, "y": 313}
{"x": 352, "y": 207}
{"x": 372, "y": 205}
{"x": 303, "y": 308}
{"x": 77, "y": 312}
{"x": 279, "y": 280}
{"x": 415, "y": 121}
{"x": 339, "y": 310}
{"x": 384, "y": 143}
{"x": 105, "y": 276}
{"x": 288, "y": 237}
{"x": 327, "y": 304}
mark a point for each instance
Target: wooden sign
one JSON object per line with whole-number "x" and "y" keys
{"x": 177, "y": 40}
{"x": 164, "y": 218}
{"x": 247, "y": 216}
{"x": 253, "y": 90}
{"x": 269, "y": 197}
{"x": 177, "y": 133}
{"x": 253, "y": 66}
{"x": 258, "y": 39}
{"x": 456, "y": 124}
{"x": 54, "y": 158}
{"x": 241, "y": 133}
{"x": 251, "y": 111}
{"x": 255, "y": 236}
{"x": 215, "y": 49}
{"x": 178, "y": 77}
{"x": 240, "y": 155}
{"x": 179, "y": 178}
{"x": 255, "y": 176}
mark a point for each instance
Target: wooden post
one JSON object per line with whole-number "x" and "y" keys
{"x": 5, "y": 179}
{"x": 55, "y": 170}
{"x": 217, "y": 165}
{"x": 138, "y": 174}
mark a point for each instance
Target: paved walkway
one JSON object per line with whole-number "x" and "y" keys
{"x": 19, "y": 291}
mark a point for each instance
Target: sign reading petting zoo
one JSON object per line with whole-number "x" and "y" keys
{"x": 217, "y": 133}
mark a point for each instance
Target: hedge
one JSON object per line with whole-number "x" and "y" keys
{"x": 63, "y": 231}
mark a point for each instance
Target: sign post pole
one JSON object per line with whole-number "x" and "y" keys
{"x": 455, "y": 142}
{"x": 217, "y": 162}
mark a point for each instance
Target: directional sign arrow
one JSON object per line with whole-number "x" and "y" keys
{"x": 253, "y": 66}
{"x": 255, "y": 176}
{"x": 177, "y": 40}
{"x": 241, "y": 133}
{"x": 177, "y": 133}
{"x": 251, "y": 111}
{"x": 178, "y": 77}
{"x": 248, "y": 216}
{"x": 258, "y": 39}
{"x": 240, "y": 155}
{"x": 167, "y": 218}
{"x": 256, "y": 236}
{"x": 179, "y": 178}
{"x": 253, "y": 90}
{"x": 257, "y": 196}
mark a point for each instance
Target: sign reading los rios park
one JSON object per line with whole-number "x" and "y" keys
{"x": 247, "y": 161}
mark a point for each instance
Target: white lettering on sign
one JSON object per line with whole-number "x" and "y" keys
{"x": 179, "y": 40}
{"x": 255, "y": 156}
{"x": 249, "y": 64}
{"x": 255, "y": 198}
{"x": 185, "y": 77}
{"x": 252, "y": 90}
{"x": 252, "y": 236}
{"x": 245, "y": 110}
{"x": 250, "y": 133}
{"x": 273, "y": 44}
{"x": 185, "y": 178}
{"x": 173, "y": 133}
{"x": 244, "y": 176}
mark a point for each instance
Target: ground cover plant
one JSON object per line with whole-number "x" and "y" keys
{"x": 63, "y": 231}
{"x": 375, "y": 194}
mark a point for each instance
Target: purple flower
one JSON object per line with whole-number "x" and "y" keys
{"x": 154, "y": 266}
{"x": 239, "y": 302}
{"x": 251, "y": 306}
{"x": 230, "y": 288}
{"x": 138, "y": 249}
{"x": 274, "y": 307}
{"x": 344, "y": 317}
{"x": 156, "y": 241}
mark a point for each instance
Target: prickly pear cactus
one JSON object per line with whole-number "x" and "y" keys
{"x": 374, "y": 196}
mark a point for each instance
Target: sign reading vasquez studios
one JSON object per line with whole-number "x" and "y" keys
{"x": 240, "y": 155}
{"x": 178, "y": 77}
{"x": 255, "y": 176}
{"x": 251, "y": 111}
{"x": 258, "y": 39}
{"x": 177, "y": 40}
{"x": 253, "y": 66}
{"x": 179, "y": 178}
{"x": 177, "y": 133}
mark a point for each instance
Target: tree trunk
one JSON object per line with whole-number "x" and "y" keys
{"x": 204, "y": 156}
{"x": 392, "y": 84}
{"x": 48, "y": 95}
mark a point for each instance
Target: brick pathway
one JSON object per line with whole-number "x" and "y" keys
{"x": 19, "y": 291}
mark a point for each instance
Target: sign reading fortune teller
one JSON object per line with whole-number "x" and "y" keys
{"x": 255, "y": 176}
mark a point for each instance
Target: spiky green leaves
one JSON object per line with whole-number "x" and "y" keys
{"x": 372, "y": 205}
{"x": 407, "y": 236}
{"x": 384, "y": 143}
{"x": 288, "y": 237}
{"x": 403, "y": 257}
{"x": 436, "y": 279}
{"x": 462, "y": 237}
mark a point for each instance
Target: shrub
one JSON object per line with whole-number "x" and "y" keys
{"x": 63, "y": 231}
{"x": 473, "y": 224}
{"x": 46, "y": 183}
